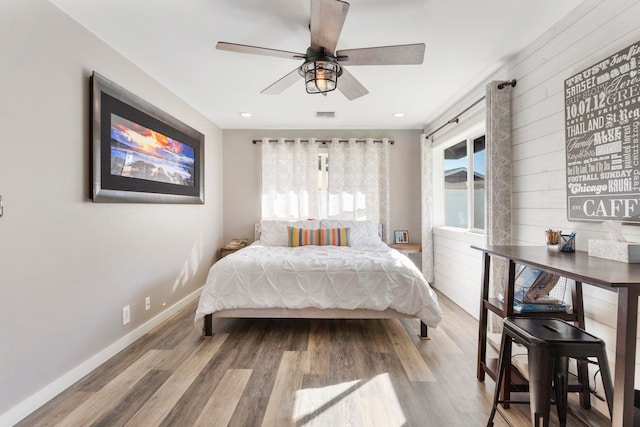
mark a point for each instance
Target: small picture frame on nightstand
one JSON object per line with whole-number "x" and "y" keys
{"x": 401, "y": 236}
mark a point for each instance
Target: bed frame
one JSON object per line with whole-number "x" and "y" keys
{"x": 308, "y": 313}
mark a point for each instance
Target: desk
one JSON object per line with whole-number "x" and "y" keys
{"x": 579, "y": 266}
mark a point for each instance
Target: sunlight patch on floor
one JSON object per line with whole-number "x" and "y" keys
{"x": 370, "y": 402}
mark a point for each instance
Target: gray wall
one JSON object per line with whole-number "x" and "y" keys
{"x": 242, "y": 176}
{"x": 67, "y": 266}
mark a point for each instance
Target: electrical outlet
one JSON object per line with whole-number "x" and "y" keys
{"x": 147, "y": 303}
{"x": 126, "y": 315}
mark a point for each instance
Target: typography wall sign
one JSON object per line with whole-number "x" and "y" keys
{"x": 602, "y": 127}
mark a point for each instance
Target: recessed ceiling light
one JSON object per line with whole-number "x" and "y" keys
{"x": 243, "y": 114}
{"x": 398, "y": 114}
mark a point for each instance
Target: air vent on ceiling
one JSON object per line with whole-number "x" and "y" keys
{"x": 325, "y": 114}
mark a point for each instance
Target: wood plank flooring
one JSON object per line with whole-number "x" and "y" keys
{"x": 291, "y": 372}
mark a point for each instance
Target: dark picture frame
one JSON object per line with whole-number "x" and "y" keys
{"x": 140, "y": 154}
{"x": 401, "y": 236}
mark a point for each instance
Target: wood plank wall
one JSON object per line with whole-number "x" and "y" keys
{"x": 592, "y": 32}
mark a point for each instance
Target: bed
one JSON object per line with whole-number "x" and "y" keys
{"x": 276, "y": 278}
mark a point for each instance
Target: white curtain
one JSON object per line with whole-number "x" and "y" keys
{"x": 426, "y": 151}
{"x": 359, "y": 181}
{"x": 289, "y": 179}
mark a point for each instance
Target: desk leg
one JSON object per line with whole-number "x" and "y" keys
{"x": 482, "y": 329}
{"x": 624, "y": 374}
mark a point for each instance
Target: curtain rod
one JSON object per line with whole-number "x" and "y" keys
{"x": 323, "y": 141}
{"x": 456, "y": 119}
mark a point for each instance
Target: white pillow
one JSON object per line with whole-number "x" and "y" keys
{"x": 363, "y": 233}
{"x": 274, "y": 232}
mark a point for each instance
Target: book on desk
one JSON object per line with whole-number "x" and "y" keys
{"x": 538, "y": 307}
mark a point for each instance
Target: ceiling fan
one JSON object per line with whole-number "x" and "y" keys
{"x": 323, "y": 65}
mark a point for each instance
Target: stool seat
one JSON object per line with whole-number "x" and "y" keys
{"x": 549, "y": 332}
{"x": 550, "y": 344}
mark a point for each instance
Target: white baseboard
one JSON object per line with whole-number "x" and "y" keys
{"x": 42, "y": 396}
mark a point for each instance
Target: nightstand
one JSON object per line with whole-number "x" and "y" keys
{"x": 407, "y": 248}
{"x": 232, "y": 246}
{"x": 229, "y": 249}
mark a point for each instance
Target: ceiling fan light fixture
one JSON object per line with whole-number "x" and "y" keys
{"x": 320, "y": 73}
{"x": 322, "y": 63}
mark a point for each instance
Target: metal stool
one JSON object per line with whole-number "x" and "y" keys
{"x": 550, "y": 344}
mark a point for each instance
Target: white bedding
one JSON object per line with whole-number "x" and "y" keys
{"x": 373, "y": 277}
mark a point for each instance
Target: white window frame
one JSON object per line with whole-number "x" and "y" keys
{"x": 469, "y": 136}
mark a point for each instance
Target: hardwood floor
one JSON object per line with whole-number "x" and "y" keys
{"x": 289, "y": 372}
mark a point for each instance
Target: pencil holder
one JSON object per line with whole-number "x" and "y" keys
{"x": 567, "y": 242}
{"x": 553, "y": 239}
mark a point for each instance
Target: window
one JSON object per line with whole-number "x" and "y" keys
{"x": 297, "y": 182}
{"x": 462, "y": 193}
{"x": 479, "y": 173}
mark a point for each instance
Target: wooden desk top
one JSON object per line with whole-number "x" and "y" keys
{"x": 576, "y": 265}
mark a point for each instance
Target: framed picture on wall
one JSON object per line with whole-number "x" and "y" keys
{"x": 401, "y": 236}
{"x": 140, "y": 154}
{"x": 602, "y": 123}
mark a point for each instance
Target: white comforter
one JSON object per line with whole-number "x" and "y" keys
{"x": 374, "y": 277}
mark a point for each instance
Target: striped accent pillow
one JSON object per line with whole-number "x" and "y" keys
{"x": 302, "y": 236}
{"x": 335, "y": 236}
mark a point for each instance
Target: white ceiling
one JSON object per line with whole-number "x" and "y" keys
{"x": 174, "y": 42}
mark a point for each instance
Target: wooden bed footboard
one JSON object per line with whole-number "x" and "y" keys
{"x": 309, "y": 313}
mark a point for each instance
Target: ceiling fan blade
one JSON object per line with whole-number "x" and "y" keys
{"x": 384, "y": 55}
{"x": 255, "y": 50}
{"x": 327, "y": 19}
{"x": 282, "y": 84}
{"x": 350, "y": 87}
